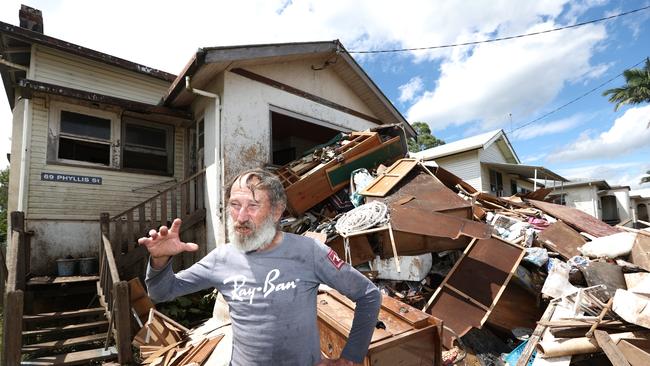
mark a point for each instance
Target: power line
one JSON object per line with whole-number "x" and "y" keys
{"x": 505, "y": 38}
{"x": 577, "y": 98}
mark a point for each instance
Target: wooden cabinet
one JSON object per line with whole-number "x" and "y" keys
{"x": 406, "y": 336}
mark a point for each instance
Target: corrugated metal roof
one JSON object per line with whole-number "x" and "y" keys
{"x": 467, "y": 144}
{"x": 528, "y": 171}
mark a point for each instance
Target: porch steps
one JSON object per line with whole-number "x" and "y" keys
{"x": 74, "y": 358}
{"x": 64, "y": 343}
{"x": 99, "y": 325}
{"x": 69, "y": 324}
{"x": 64, "y": 314}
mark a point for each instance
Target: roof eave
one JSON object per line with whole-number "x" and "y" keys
{"x": 29, "y": 36}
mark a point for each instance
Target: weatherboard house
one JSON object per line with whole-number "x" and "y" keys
{"x": 101, "y": 141}
{"x": 489, "y": 163}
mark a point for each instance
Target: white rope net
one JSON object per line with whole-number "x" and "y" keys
{"x": 363, "y": 217}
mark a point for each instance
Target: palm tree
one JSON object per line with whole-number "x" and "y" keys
{"x": 646, "y": 179}
{"x": 636, "y": 89}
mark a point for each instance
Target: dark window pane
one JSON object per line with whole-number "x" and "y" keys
{"x": 146, "y": 136}
{"x": 84, "y": 151}
{"x": 144, "y": 161}
{"x": 84, "y": 125}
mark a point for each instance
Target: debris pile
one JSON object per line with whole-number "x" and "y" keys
{"x": 472, "y": 260}
{"x": 513, "y": 280}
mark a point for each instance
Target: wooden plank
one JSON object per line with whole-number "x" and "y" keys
{"x": 535, "y": 337}
{"x": 414, "y": 317}
{"x": 12, "y": 327}
{"x": 205, "y": 350}
{"x": 63, "y": 314}
{"x": 185, "y": 194}
{"x": 63, "y": 343}
{"x": 615, "y": 356}
{"x": 131, "y": 240}
{"x": 163, "y": 209}
{"x": 67, "y": 328}
{"x": 382, "y": 184}
{"x": 154, "y": 213}
{"x": 174, "y": 204}
{"x": 119, "y": 238}
{"x": 635, "y": 351}
{"x": 74, "y": 358}
{"x": 122, "y": 322}
{"x": 141, "y": 220}
{"x": 46, "y": 280}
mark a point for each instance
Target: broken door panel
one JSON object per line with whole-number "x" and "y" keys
{"x": 381, "y": 185}
{"x": 474, "y": 285}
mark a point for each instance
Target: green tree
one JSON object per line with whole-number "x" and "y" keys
{"x": 636, "y": 89}
{"x": 4, "y": 196}
{"x": 425, "y": 139}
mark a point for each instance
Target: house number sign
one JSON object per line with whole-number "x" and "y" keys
{"x": 68, "y": 178}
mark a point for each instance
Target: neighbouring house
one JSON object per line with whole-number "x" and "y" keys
{"x": 489, "y": 163}
{"x": 640, "y": 203}
{"x": 596, "y": 197}
{"x": 94, "y": 133}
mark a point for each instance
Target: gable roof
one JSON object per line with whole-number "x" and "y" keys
{"x": 19, "y": 40}
{"x": 598, "y": 183}
{"x": 483, "y": 141}
{"x": 208, "y": 62}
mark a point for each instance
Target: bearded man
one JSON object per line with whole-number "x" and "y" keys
{"x": 269, "y": 278}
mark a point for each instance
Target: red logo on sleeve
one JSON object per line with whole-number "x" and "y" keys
{"x": 334, "y": 258}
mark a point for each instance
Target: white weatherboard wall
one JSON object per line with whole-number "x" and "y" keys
{"x": 465, "y": 165}
{"x": 59, "y": 68}
{"x": 584, "y": 198}
{"x": 59, "y": 211}
{"x": 623, "y": 203}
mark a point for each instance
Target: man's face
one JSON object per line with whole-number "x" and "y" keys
{"x": 251, "y": 219}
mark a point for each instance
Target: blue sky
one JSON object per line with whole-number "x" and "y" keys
{"x": 459, "y": 91}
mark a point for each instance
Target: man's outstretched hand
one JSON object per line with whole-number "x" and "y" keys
{"x": 165, "y": 243}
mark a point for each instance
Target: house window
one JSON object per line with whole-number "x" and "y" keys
{"x": 147, "y": 146}
{"x": 84, "y": 136}
{"x": 92, "y": 137}
{"x": 496, "y": 183}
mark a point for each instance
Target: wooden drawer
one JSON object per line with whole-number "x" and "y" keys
{"x": 411, "y": 337}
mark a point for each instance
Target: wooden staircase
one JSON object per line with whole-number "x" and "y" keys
{"x": 67, "y": 330}
{"x": 85, "y": 320}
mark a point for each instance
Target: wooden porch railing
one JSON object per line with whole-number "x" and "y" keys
{"x": 184, "y": 200}
{"x": 17, "y": 269}
{"x": 114, "y": 296}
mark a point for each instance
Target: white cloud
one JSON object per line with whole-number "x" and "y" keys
{"x": 624, "y": 174}
{"x": 164, "y": 34}
{"x": 537, "y": 130}
{"x": 515, "y": 77}
{"x": 533, "y": 158}
{"x": 629, "y": 133}
{"x": 410, "y": 89}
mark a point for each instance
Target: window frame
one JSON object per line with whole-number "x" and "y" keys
{"x": 116, "y": 141}
{"x": 169, "y": 140}
{"x": 55, "y": 117}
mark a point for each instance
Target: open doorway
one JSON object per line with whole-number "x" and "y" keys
{"x": 293, "y": 135}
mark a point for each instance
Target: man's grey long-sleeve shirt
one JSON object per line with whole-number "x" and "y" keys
{"x": 272, "y": 298}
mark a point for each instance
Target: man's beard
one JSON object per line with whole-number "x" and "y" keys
{"x": 258, "y": 237}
